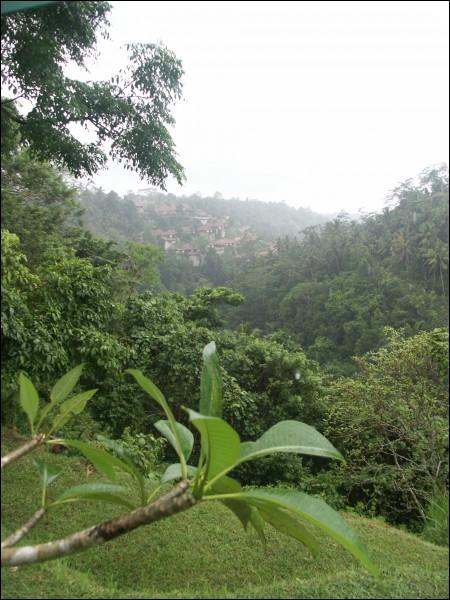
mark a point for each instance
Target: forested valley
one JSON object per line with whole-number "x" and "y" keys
{"x": 336, "y": 321}
{"x": 288, "y": 321}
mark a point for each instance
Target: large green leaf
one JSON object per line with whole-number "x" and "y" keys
{"x": 174, "y": 472}
{"x": 103, "y": 492}
{"x": 287, "y": 524}
{"x": 102, "y": 460}
{"x": 29, "y": 399}
{"x": 314, "y": 511}
{"x": 289, "y": 436}
{"x": 210, "y": 383}
{"x": 220, "y": 443}
{"x": 184, "y": 436}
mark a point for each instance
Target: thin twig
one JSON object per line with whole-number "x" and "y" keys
{"x": 20, "y": 533}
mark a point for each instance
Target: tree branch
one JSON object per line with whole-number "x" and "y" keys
{"x": 15, "y": 537}
{"x": 177, "y": 500}
{"x": 22, "y": 450}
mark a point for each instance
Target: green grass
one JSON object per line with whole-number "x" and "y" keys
{"x": 204, "y": 553}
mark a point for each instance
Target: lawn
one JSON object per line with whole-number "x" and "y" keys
{"x": 204, "y": 553}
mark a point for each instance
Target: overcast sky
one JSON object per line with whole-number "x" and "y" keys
{"x": 320, "y": 104}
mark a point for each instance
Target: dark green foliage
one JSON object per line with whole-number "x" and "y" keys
{"x": 132, "y": 110}
{"x": 391, "y": 423}
{"x": 337, "y": 287}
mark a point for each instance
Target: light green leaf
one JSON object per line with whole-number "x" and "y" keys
{"x": 174, "y": 472}
{"x": 220, "y": 443}
{"x": 184, "y": 435}
{"x": 314, "y": 511}
{"x": 228, "y": 485}
{"x": 29, "y": 399}
{"x": 154, "y": 392}
{"x": 61, "y": 390}
{"x": 133, "y": 469}
{"x": 210, "y": 383}
{"x": 65, "y": 385}
{"x": 242, "y": 510}
{"x": 102, "y": 492}
{"x": 47, "y": 473}
{"x": 102, "y": 460}
{"x": 258, "y": 524}
{"x": 287, "y": 524}
{"x": 121, "y": 452}
{"x": 289, "y": 436}
{"x": 72, "y": 406}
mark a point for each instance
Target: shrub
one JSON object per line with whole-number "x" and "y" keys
{"x": 391, "y": 422}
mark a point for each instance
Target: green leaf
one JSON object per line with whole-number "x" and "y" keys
{"x": 47, "y": 473}
{"x": 61, "y": 390}
{"x": 29, "y": 399}
{"x": 65, "y": 385}
{"x": 220, "y": 443}
{"x": 242, "y": 510}
{"x": 258, "y": 524}
{"x": 174, "y": 472}
{"x": 102, "y": 492}
{"x": 148, "y": 386}
{"x": 122, "y": 453}
{"x": 287, "y": 524}
{"x": 289, "y": 436}
{"x": 72, "y": 406}
{"x": 228, "y": 485}
{"x": 152, "y": 390}
{"x": 225, "y": 485}
{"x": 102, "y": 460}
{"x": 314, "y": 511}
{"x": 184, "y": 435}
{"x": 210, "y": 383}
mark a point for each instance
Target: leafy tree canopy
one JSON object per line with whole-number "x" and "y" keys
{"x": 131, "y": 110}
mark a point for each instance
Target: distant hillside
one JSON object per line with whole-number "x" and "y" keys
{"x": 152, "y": 216}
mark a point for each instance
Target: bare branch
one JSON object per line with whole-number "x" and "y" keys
{"x": 175, "y": 501}
{"x": 22, "y": 450}
{"x": 20, "y": 533}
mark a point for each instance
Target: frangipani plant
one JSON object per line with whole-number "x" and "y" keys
{"x": 221, "y": 451}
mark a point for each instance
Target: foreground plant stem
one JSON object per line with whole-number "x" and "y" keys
{"x": 36, "y": 441}
{"x": 175, "y": 501}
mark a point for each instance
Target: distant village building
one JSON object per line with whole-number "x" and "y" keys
{"x": 220, "y": 245}
{"x": 165, "y": 209}
{"x": 194, "y": 255}
{"x": 168, "y": 238}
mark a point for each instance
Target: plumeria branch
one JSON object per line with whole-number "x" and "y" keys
{"x": 35, "y": 441}
{"x": 175, "y": 501}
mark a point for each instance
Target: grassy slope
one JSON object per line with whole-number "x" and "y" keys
{"x": 204, "y": 553}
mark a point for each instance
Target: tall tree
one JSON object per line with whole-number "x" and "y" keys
{"x": 131, "y": 110}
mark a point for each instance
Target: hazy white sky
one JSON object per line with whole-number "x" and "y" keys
{"x": 320, "y": 104}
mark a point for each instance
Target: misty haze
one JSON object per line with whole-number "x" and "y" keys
{"x": 225, "y": 299}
